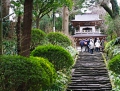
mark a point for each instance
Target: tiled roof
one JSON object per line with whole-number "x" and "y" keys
{"x": 89, "y": 35}
{"x": 87, "y": 17}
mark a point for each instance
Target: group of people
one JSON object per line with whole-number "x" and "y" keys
{"x": 91, "y": 45}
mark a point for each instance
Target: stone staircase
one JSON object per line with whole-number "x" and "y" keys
{"x": 90, "y": 74}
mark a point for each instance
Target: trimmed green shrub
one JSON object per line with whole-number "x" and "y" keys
{"x": 25, "y": 74}
{"x": 57, "y": 38}
{"x": 114, "y": 64}
{"x": 37, "y": 38}
{"x": 50, "y": 73}
{"x": 57, "y": 55}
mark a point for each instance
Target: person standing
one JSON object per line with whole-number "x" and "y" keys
{"x": 97, "y": 45}
{"x": 91, "y": 46}
{"x": 86, "y": 45}
{"x": 81, "y": 44}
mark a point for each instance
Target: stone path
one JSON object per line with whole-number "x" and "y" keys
{"x": 90, "y": 74}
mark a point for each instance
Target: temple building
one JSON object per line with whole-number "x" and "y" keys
{"x": 87, "y": 26}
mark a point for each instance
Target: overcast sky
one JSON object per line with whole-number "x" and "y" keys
{"x": 118, "y": 2}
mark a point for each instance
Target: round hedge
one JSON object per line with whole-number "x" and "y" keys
{"x": 23, "y": 74}
{"x": 57, "y": 55}
{"x": 114, "y": 64}
{"x": 57, "y": 38}
{"x": 37, "y": 37}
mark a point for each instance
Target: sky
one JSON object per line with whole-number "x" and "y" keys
{"x": 118, "y": 2}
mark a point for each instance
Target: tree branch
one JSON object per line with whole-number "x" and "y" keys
{"x": 107, "y": 9}
{"x": 115, "y": 8}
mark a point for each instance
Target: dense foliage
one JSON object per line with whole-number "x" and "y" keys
{"x": 9, "y": 47}
{"x": 18, "y": 73}
{"x": 60, "y": 83}
{"x": 57, "y": 38}
{"x": 115, "y": 81}
{"x": 37, "y": 37}
{"x": 57, "y": 55}
{"x": 114, "y": 64}
{"x": 117, "y": 41}
{"x": 72, "y": 51}
{"x": 108, "y": 45}
{"x": 112, "y": 47}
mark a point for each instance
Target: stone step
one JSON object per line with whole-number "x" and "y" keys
{"x": 90, "y": 84}
{"x": 88, "y": 89}
{"x": 86, "y": 74}
{"x": 84, "y": 61}
{"x": 91, "y": 81}
{"x": 81, "y": 68}
{"x": 89, "y": 71}
{"x": 89, "y": 74}
{"x": 89, "y": 78}
{"x": 87, "y": 66}
{"x": 84, "y": 90}
{"x": 93, "y": 70}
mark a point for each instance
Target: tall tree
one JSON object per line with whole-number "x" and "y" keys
{"x": 1, "y": 50}
{"x": 26, "y": 31}
{"x": 70, "y": 12}
{"x": 43, "y": 7}
{"x": 27, "y": 19}
{"x": 114, "y": 11}
{"x": 5, "y": 16}
{"x": 65, "y": 17}
{"x": 6, "y": 5}
{"x": 18, "y": 9}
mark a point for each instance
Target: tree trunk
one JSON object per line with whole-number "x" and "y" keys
{"x": 114, "y": 13}
{"x": 1, "y": 33}
{"x": 116, "y": 16}
{"x": 18, "y": 33}
{"x": 115, "y": 8}
{"x": 37, "y": 23}
{"x": 26, "y": 31}
{"x": 65, "y": 23}
{"x": 5, "y": 9}
{"x": 107, "y": 9}
{"x": 5, "y": 12}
